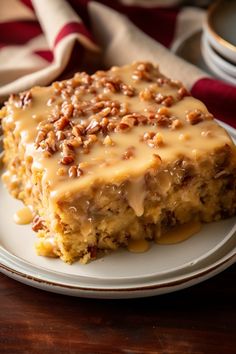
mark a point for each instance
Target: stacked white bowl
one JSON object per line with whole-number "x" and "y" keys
{"x": 218, "y": 43}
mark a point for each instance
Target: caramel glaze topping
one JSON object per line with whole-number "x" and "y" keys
{"x": 112, "y": 124}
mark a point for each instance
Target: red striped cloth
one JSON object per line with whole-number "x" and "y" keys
{"x": 41, "y": 39}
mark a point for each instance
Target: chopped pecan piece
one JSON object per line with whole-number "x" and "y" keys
{"x": 38, "y": 223}
{"x": 168, "y": 101}
{"x": 195, "y": 117}
{"x": 40, "y": 137}
{"x": 182, "y": 92}
{"x": 163, "y": 121}
{"x": 68, "y": 155}
{"x": 93, "y": 127}
{"x": 61, "y": 123}
{"x": 129, "y": 153}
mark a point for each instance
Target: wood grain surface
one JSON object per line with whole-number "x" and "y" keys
{"x": 197, "y": 320}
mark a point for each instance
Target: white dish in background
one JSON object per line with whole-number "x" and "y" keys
{"x": 220, "y": 28}
{"x": 191, "y": 51}
{"x": 223, "y": 64}
{"x": 121, "y": 274}
{"x": 212, "y": 63}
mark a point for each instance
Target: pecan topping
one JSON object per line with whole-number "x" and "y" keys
{"x": 67, "y": 160}
{"x": 38, "y": 223}
{"x": 40, "y": 137}
{"x": 176, "y": 124}
{"x": 68, "y": 155}
{"x": 143, "y": 72}
{"x": 61, "y": 123}
{"x": 164, "y": 111}
{"x": 168, "y": 101}
{"x": 159, "y": 98}
{"x": 75, "y": 171}
{"x": 130, "y": 119}
{"x": 162, "y": 121}
{"x": 195, "y": 117}
{"x": 127, "y": 90}
{"x": 22, "y": 100}
{"x": 93, "y": 127}
{"x": 67, "y": 109}
{"x": 50, "y": 142}
{"x": 122, "y": 126}
{"x": 146, "y": 94}
{"x": 129, "y": 153}
{"x": 26, "y": 98}
{"x": 153, "y": 139}
{"x": 60, "y": 135}
{"x": 88, "y": 111}
{"x": 182, "y": 92}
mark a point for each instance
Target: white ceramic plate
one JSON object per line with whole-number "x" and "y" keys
{"x": 192, "y": 51}
{"x": 222, "y": 63}
{"x": 220, "y": 28}
{"x": 213, "y": 64}
{"x": 121, "y": 274}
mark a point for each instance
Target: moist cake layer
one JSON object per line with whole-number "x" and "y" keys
{"x": 119, "y": 155}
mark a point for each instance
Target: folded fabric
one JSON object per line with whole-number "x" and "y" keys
{"x": 37, "y": 39}
{"x": 36, "y": 42}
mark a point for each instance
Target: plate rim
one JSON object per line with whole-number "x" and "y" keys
{"x": 171, "y": 285}
{"x": 218, "y": 71}
{"x": 223, "y": 64}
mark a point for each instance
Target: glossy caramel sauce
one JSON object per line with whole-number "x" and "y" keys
{"x": 138, "y": 246}
{"x": 23, "y": 216}
{"x": 180, "y": 233}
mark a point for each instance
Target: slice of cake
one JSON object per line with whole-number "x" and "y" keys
{"x": 121, "y": 155}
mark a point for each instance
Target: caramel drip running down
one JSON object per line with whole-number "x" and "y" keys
{"x": 138, "y": 246}
{"x": 23, "y": 216}
{"x": 180, "y": 233}
{"x": 136, "y": 194}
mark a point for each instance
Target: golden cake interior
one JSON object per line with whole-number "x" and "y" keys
{"x": 120, "y": 155}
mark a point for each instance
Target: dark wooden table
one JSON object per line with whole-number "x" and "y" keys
{"x": 201, "y": 319}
